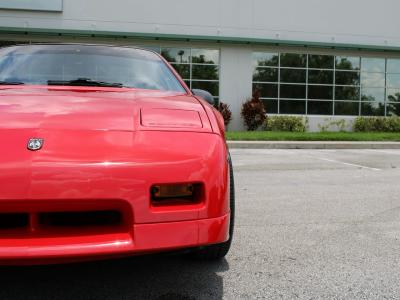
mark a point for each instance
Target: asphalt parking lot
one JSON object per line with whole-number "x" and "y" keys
{"x": 311, "y": 224}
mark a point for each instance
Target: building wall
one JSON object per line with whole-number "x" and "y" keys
{"x": 236, "y": 28}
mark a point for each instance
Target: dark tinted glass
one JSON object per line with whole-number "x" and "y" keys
{"x": 271, "y": 106}
{"x": 320, "y": 92}
{"x": 320, "y": 77}
{"x": 293, "y": 91}
{"x": 265, "y": 59}
{"x": 320, "y": 61}
{"x": 267, "y": 90}
{"x": 293, "y": 75}
{"x": 347, "y": 93}
{"x": 265, "y": 75}
{"x": 347, "y": 108}
{"x": 347, "y": 78}
{"x": 293, "y": 60}
{"x": 207, "y": 72}
{"x": 292, "y": 107}
{"x": 347, "y": 63}
{"x": 209, "y": 86}
{"x": 320, "y": 107}
{"x": 372, "y": 109}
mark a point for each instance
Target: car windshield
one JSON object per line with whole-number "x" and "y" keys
{"x": 86, "y": 65}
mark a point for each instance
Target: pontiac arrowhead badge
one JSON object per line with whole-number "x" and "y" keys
{"x": 35, "y": 144}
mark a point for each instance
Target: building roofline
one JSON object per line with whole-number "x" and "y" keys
{"x": 195, "y": 38}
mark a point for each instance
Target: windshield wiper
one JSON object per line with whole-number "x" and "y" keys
{"x": 84, "y": 82}
{"x": 10, "y": 83}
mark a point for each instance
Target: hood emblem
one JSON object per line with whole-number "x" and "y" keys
{"x": 35, "y": 144}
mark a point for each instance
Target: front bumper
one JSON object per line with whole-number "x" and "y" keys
{"x": 144, "y": 238}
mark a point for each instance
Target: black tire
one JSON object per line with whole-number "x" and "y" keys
{"x": 218, "y": 251}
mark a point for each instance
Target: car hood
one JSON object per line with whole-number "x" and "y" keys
{"x": 93, "y": 108}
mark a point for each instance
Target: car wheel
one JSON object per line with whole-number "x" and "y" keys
{"x": 218, "y": 251}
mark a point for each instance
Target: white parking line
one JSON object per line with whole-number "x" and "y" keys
{"x": 345, "y": 163}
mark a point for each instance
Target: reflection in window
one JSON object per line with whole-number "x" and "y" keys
{"x": 393, "y": 109}
{"x": 393, "y": 80}
{"x": 292, "y": 91}
{"x": 393, "y": 95}
{"x": 293, "y": 75}
{"x": 372, "y": 94}
{"x": 320, "y": 107}
{"x": 320, "y": 92}
{"x": 271, "y": 106}
{"x": 347, "y": 63}
{"x": 265, "y": 75}
{"x": 373, "y": 108}
{"x": 376, "y": 65}
{"x": 393, "y": 66}
{"x": 267, "y": 90}
{"x": 292, "y": 107}
{"x": 320, "y": 77}
{"x": 347, "y": 93}
{"x": 346, "y": 108}
{"x": 320, "y": 61}
{"x": 198, "y": 67}
{"x": 293, "y": 60}
{"x": 347, "y": 78}
{"x": 265, "y": 59}
{"x": 373, "y": 79}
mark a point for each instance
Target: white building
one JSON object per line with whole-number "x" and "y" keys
{"x": 325, "y": 59}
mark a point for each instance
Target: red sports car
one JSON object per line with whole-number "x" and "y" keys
{"x": 105, "y": 152}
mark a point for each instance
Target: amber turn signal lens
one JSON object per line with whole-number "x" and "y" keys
{"x": 172, "y": 190}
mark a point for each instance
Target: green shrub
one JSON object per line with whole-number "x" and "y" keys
{"x": 378, "y": 124}
{"x": 286, "y": 123}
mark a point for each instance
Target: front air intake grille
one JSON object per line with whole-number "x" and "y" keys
{"x": 80, "y": 219}
{"x": 14, "y": 220}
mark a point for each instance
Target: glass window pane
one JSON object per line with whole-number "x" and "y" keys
{"x": 320, "y": 61}
{"x": 373, "y": 64}
{"x": 271, "y": 106}
{"x": 320, "y": 107}
{"x": 265, "y": 74}
{"x": 209, "y": 86}
{"x": 346, "y": 108}
{"x": 293, "y": 60}
{"x": 372, "y": 94}
{"x": 320, "y": 92}
{"x": 205, "y": 56}
{"x": 188, "y": 83}
{"x": 207, "y": 72}
{"x": 347, "y": 63}
{"x": 320, "y": 77}
{"x": 292, "y": 107}
{"x": 267, "y": 90}
{"x": 293, "y": 91}
{"x": 393, "y": 109}
{"x": 347, "y": 93}
{"x": 152, "y": 48}
{"x": 373, "y": 79}
{"x": 265, "y": 59}
{"x": 393, "y": 65}
{"x": 393, "y": 80}
{"x": 293, "y": 75}
{"x": 347, "y": 78}
{"x": 179, "y": 55}
{"x": 183, "y": 70}
{"x": 393, "y": 95}
{"x": 372, "y": 109}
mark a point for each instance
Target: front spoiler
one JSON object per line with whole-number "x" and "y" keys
{"x": 144, "y": 238}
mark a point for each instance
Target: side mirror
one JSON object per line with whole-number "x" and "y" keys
{"x": 205, "y": 95}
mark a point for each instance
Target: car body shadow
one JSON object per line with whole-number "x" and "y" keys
{"x": 160, "y": 277}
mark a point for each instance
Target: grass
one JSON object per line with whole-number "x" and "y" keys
{"x": 312, "y": 136}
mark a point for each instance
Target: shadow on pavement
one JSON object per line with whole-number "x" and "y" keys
{"x": 161, "y": 277}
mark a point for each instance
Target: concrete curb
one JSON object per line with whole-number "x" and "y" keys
{"x": 311, "y": 145}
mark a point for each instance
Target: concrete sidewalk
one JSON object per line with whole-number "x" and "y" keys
{"x": 311, "y": 145}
